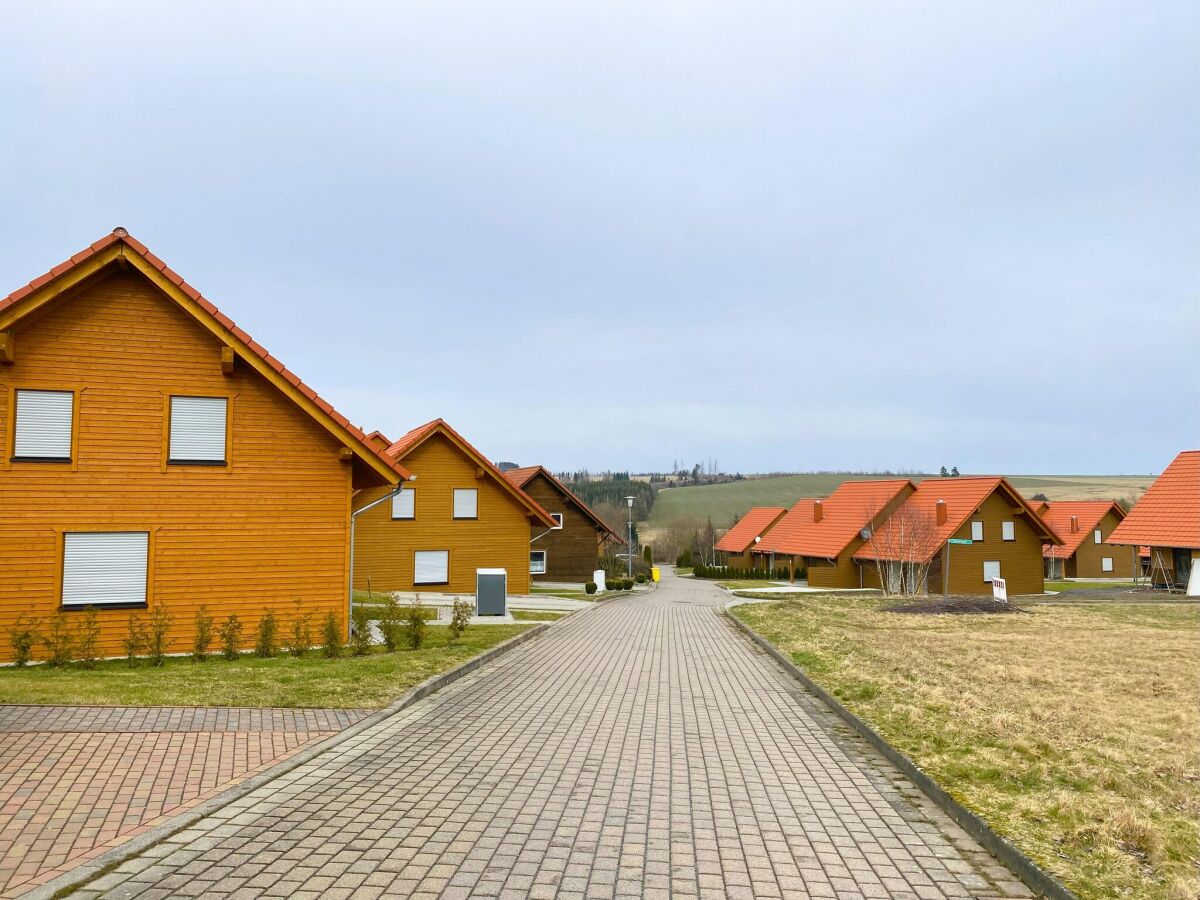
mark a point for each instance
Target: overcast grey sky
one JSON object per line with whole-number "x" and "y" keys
{"x": 787, "y": 235}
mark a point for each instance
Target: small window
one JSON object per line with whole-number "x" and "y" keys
{"x": 977, "y": 531}
{"x": 991, "y": 569}
{"x": 431, "y": 567}
{"x": 1097, "y": 536}
{"x": 1106, "y": 564}
{"x": 104, "y": 568}
{"x": 558, "y": 519}
{"x": 404, "y": 504}
{"x": 537, "y": 562}
{"x": 1008, "y": 531}
{"x": 198, "y": 430}
{"x": 43, "y": 425}
{"x": 466, "y": 503}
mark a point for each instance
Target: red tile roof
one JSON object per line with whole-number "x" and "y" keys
{"x": 1168, "y": 515}
{"x": 413, "y": 439}
{"x": 963, "y": 496}
{"x": 844, "y": 514}
{"x": 522, "y": 476}
{"x": 357, "y": 440}
{"x": 1087, "y": 513}
{"x": 754, "y": 523}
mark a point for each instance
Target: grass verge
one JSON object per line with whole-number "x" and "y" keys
{"x": 1071, "y": 730}
{"x": 536, "y": 615}
{"x": 1089, "y": 585}
{"x": 364, "y": 682}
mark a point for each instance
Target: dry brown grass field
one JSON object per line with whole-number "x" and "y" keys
{"x": 1075, "y": 731}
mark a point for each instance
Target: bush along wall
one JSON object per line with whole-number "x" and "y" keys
{"x": 733, "y": 573}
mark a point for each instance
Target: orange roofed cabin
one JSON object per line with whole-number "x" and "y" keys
{"x": 458, "y": 514}
{"x": 820, "y": 537}
{"x": 570, "y": 551}
{"x": 1167, "y": 521}
{"x": 155, "y": 455}
{"x": 1004, "y": 532}
{"x": 1085, "y": 527}
{"x": 737, "y": 545}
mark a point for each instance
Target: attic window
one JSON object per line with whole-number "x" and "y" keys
{"x": 404, "y": 504}
{"x": 1008, "y": 531}
{"x": 43, "y": 426}
{"x": 1098, "y": 536}
{"x": 977, "y": 531}
{"x": 466, "y": 503}
{"x": 198, "y": 427}
{"x": 558, "y": 520}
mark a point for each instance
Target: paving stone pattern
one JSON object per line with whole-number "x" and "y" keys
{"x": 76, "y": 781}
{"x": 639, "y": 749}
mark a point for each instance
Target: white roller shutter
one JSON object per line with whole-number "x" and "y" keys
{"x": 431, "y": 567}
{"x": 466, "y": 503}
{"x": 404, "y": 504}
{"x": 103, "y": 568}
{"x": 44, "y": 424}
{"x": 198, "y": 429}
{"x": 991, "y": 569}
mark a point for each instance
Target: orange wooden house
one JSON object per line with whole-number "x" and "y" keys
{"x": 459, "y": 514}
{"x": 570, "y": 551}
{"x": 960, "y": 533}
{"x": 821, "y": 536}
{"x": 1085, "y": 527}
{"x": 156, "y": 455}
{"x": 1167, "y": 522}
{"x": 736, "y": 546}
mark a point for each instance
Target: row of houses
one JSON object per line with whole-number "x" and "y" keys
{"x": 156, "y": 453}
{"x": 954, "y": 535}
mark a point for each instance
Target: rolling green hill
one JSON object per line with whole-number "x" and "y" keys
{"x": 723, "y": 501}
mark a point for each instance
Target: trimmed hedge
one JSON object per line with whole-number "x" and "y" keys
{"x": 733, "y": 573}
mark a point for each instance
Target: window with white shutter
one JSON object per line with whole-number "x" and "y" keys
{"x": 991, "y": 569}
{"x": 1098, "y": 536}
{"x": 104, "y": 568}
{"x": 537, "y": 562}
{"x": 404, "y": 504}
{"x": 466, "y": 503}
{"x": 431, "y": 567}
{"x": 1008, "y": 531}
{"x": 43, "y": 425}
{"x": 198, "y": 430}
{"x": 1106, "y": 564}
{"x": 977, "y": 531}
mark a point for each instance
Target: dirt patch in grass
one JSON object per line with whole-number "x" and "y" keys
{"x": 936, "y": 606}
{"x": 1072, "y": 729}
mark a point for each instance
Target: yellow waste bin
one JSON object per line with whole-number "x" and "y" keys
{"x": 654, "y": 573}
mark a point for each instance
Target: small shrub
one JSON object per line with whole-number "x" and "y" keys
{"x": 202, "y": 635}
{"x": 231, "y": 637}
{"x": 58, "y": 641}
{"x": 360, "y": 631}
{"x": 23, "y": 635}
{"x": 460, "y": 618}
{"x": 266, "y": 644}
{"x": 641, "y": 579}
{"x": 160, "y": 623}
{"x": 89, "y": 637}
{"x": 390, "y": 624}
{"x": 135, "y": 639}
{"x": 301, "y": 641}
{"x": 414, "y": 623}
{"x": 332, "y": 638}
{"x": 590, "y": 588}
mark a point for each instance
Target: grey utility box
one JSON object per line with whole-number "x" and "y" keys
{"x": 491, "y": 592}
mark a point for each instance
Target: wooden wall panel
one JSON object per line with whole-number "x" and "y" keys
{"x": 573, "y": 552}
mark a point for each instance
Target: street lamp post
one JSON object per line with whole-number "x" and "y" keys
{"x": 629, "y": 545}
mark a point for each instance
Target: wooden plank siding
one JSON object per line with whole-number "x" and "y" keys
{"x": 573, "y": 551}
{"x": 1086, "y": 562}
{"x": 269, "y": 527}
{"x": 498, "y": 538}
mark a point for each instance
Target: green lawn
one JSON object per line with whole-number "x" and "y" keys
{"x": 534, "y": 615}
{"x": 565, "y": 593}
{"x": 349, "y": 682}
{"x": 748, "y": 584}
{"x": 1071, "y": 729}
{"x": 1088, "y": 585}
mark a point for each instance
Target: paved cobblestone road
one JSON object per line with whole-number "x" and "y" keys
{"x": 639, "y": 749}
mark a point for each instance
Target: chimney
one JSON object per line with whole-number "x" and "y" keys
{"x": 1074, "y": 524}
{"x": 941, "y": 512}
{"x": 818, "y": 510}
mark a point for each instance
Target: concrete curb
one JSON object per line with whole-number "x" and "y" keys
{"x": 79, "y": 876}
{"x": 1038, "y": 880}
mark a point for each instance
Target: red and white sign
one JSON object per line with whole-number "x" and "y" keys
{"x": 1000, "y": 590}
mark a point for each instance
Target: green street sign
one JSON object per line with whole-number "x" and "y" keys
{"x": 959, "y": 541}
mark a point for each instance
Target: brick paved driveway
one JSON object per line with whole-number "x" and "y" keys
{"x": 641, "y": 748}
{"x": 78, "y": 780}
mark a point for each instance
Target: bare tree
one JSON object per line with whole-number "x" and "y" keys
{"x": 903, "y": 544}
